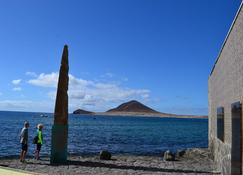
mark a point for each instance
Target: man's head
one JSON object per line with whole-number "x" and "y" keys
{"x": 26, "y": 124}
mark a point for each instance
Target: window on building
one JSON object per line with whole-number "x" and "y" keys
{"x": 220, "y": 123}
{"x": 236, "y": 147}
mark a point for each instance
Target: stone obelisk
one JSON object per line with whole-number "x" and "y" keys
{"x": 60, "y": 127}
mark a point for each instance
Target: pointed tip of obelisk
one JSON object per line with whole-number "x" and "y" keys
{"x": 65, "y": 48}
{"x": 65, "y": 55}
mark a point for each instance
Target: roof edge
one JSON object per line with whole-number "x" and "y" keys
{"x": 227, "y": 36}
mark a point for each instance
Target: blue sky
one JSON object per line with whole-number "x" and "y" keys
{"x": 159, "y": 52}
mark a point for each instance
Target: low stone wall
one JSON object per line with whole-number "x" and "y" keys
{"x": 221, "y": 156}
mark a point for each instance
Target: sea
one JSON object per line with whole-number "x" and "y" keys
{"x": 88, "y": 135}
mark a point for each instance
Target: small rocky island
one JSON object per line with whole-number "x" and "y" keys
{"x": 81, "y": 111}
{"x": 134, "y": 108}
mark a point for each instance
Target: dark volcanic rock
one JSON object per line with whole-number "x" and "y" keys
{"x": 133, "y": 106}
{"x": 180, "y": 153}
{"x": 169, "y": 156}
{"x": 105, "y": 155}
{"x": 81, "y": 111}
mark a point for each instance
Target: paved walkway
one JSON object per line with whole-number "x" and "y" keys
{"x": 11, "y": 171}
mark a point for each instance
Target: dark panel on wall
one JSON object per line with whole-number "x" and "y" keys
{"x": 220, "y": 123}
{"x": 236, "y": 148}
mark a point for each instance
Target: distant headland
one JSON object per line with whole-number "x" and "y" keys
{"x": 81, "y": 111}
{"x": 135, "y": 108}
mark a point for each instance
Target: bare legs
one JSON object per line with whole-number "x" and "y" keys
{"x": 22, "y": 155}
{"x": 37, "y": 154}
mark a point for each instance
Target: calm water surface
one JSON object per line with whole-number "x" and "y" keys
{"x": 89, "y": 134}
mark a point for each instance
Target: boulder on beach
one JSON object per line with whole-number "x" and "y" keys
{"x": 180, "y": 153}
{"x": 105, "y": 155}
{"x": 169, "y": 156}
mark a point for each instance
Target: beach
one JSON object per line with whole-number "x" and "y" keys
{"x": 194, "y": 161}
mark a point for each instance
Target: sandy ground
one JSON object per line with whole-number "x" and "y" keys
{"x": 195, "y": 161}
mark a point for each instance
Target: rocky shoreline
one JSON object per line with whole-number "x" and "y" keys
{"x": 140, "y": 114}
{"x": 191, "y": 161}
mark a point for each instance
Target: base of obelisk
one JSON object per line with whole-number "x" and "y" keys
{"x": 59, "y": 144}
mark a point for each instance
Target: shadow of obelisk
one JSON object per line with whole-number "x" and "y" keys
{"x": 60, "y": 126}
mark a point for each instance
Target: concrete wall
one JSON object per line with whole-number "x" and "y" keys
{"x": 226, "y": 87}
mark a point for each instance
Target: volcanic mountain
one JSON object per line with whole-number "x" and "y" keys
{"x": 133, "y": 106}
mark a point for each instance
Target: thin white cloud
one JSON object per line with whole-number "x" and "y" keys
{"x": 17, "y": 89}
{"x": 186, "y": 110}
{"x": 32, "y": 74}
{"x": 89, "y": 94}
{"x": 27, "y": 105}
{"x": 108, "y": 75}
{"x": 45, "y": 80}
{"x": 16, "y": 82}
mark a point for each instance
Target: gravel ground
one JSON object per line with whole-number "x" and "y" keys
{"x": 194, "y": 161}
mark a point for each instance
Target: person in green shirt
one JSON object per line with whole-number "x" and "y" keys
{"x": 39, "y": 142}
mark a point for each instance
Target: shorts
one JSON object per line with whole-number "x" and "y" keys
{"x": 24, "y": 147}
{"x": 38, "y": 147}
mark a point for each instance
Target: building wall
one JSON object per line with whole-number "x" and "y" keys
{"x": 226, "y": 87}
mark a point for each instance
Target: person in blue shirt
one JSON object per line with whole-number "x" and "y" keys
{"x": 39, "y": 141}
